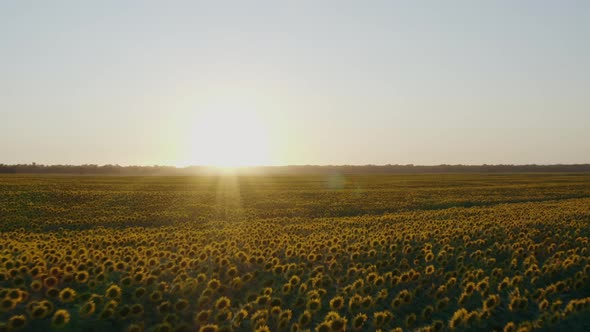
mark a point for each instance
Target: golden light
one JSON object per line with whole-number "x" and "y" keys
{"x": 228, "y": 136}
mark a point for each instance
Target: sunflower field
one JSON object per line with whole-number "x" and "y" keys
{"x": 469, "y": 252}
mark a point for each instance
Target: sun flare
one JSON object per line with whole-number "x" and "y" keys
{"x": 228, "y": 137}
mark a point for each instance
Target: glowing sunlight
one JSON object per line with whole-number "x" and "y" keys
{"x": 228, "y": 136}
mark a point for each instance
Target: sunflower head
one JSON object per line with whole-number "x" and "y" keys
{"x": 61, "y": 318}
{"x": 67, "y": 295}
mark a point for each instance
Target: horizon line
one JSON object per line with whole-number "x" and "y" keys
{"x": 290, "y": 165}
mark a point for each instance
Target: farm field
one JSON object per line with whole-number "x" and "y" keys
{"x": 476, "y": 252}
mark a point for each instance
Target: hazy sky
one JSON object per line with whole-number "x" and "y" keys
{"x": 295, "y": 82}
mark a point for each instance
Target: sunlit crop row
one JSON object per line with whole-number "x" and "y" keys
{"x": 510, "y": 267}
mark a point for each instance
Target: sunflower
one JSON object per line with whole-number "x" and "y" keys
{"x": 67, "y": 295}
{"x": 305, "y": 318}
{"x": 137, "y": 309}
{"x": 222, "y": 303}
{"x": 209, "y": 328}
{"x": 7, "y": 304}
{"x": 202, "y": 316}
{"x": 314, "y": 305}
{"x": 87, "y": 309}
{"x": 113, "y": 292}
{"x": 60, "y": 318}
{"x": 381, "y": 318}
{"x": 17, "y": 322}
{"x": 337, "y": 303}
{"x": 358, "y": 321}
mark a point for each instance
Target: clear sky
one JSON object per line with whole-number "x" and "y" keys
{"x": 294, "y": 82}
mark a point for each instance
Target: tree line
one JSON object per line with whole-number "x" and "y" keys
{"x": 299, "y": 169}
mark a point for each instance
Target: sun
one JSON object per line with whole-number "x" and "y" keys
{"x": 228, "y": 137}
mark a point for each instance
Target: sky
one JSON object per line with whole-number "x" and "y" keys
{"x": 294, "y": 82}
